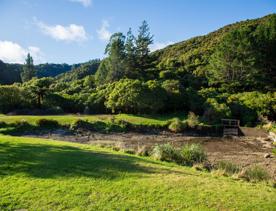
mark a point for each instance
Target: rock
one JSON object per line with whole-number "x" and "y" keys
{"x": 267, "y": 155}
{"x": 267, "y": 139}
{"x": 272, "y": 136}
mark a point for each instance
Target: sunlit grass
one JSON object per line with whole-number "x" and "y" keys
{"x": 158, "y": 120}
{"x": 38, "y": 174}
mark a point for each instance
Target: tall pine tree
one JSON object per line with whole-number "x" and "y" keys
{"x": 130, "y": 56}
{"x": 28, "y": 70}
{"x": 143, "y": 41}
{"x": 112, "y": 68}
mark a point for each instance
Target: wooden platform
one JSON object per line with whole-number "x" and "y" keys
{"x": 231, "y": 127}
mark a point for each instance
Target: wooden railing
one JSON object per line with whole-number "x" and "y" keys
{"x": 230, "y": 132}
{"x": 230, "y": 127}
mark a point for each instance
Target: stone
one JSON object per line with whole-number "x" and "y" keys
{"x": 272, "y": 136}
{"x": 267, "y": 155}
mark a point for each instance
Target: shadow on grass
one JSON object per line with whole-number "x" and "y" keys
{"x": 47, "y": 161}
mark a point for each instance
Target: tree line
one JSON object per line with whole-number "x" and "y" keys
{"x": 234, "y": 78}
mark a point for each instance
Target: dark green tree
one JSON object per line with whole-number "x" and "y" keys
{"x": 12, "y": 97}
{"x": 38, "y": 88}
{"x": 235, "y": 61}
{"x": 112, "y": 68}
{"x": 102, "y": 72}
{"x": 130, "y": 56}
{"x": 143, "y": 41}
{"x": 116, "y": 51}
{"x": 134, "y": 96}
{"x": 28, "y": 70}
{"x": 266, "y": 37}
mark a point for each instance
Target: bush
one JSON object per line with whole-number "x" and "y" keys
{"x": 255, "y": 174}
{"x": 95, "y": 126}
{"x": 248, "y": 106}
{"x": 143, "y": 150}
{"x": 176, "y": 125}
{"x": 215, "y": 111}
{"x": 47, "y": 123}
{"x": 166, "y": 152}
{"x": 134, "y": 96}
{"x": 3, "y": 124}
{"x": 228, "y": 168}
{"x": 22, "y": 124}
{"x": 166, "y": 74}
{"x": 80, "y": 124}
{"x": 122, "y": 123}
{"x": 192, "y": 120}
{"x": 13, "y": 97}
{"x": 191, "y": 154}
{"x": 204, "y": 166}
{"x": 129, "y": 151}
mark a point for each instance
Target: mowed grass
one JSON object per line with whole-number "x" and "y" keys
{"x": 38, "y": 174}
{"x": 158, "y": 120}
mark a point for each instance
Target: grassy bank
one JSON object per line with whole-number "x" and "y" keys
{"x": 148, "y": 120}
{"x": 40, "y": 174}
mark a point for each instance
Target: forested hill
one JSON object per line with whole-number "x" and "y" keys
{"x": 80, "y": 71}
{"x": 52, "y": 70}
{"x": 229, "y": 73}
{"x": 10, "y": 73}
{"x": 194, "y": 55}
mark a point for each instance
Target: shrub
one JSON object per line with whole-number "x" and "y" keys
{"x": 176, "y": 125}
{"x": 255, "y": 174}
{"x": 205, "y": 166}
{"x": 22, "y": 124}
{"x": 3, "y": 124}
{"x": 108, "y": 127}
{"x": 129, "y": 151}
{"x": 248, "y": 106}
{"x": 143, "y": 150}
{"x": 192, "y": 120}
{"x": 47, "y": 123}
{"x": 166, "y": 74}
{"x": 191, "y": 154}
{"x": 228, "y": 168}
{"x": 215, "y": 111}
{"x": 80, "y": 124}
{"x": 116, "y": 148}
{"x": 166, "y": 152}
{"x": 122, "y": 123}
{"x": 134, "y": 96}
{"x": 12, "y": 98}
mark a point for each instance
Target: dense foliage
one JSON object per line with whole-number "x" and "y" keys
{"x": 9, "y": 73}
{"x": 229, "y": 73}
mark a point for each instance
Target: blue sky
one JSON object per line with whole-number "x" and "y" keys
{"x": 73, "y": 31}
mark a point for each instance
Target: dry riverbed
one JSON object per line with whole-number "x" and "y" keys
{"x": 244, "y": 151}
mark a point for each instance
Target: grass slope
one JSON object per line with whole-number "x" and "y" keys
{"x": 159, "y": 120}
{"x": 37, "y": 174}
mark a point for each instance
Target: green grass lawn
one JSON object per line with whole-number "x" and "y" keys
{"x": 160, "y": 120}
{"x": 37, "y": 174}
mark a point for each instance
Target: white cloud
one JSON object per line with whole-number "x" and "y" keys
{"x": 12, "y": 52}
{"x": 85, "y": 3}
{"x": 103, "y": 33}
{"x": 159, "y": 45}
{"x": 71, "y": 33}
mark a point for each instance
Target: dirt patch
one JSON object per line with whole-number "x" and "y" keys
{"x": 243, "y": 151}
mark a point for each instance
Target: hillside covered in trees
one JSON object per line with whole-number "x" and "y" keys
{"x": 11, "y": 73}
{"x": 229, "y": 73}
